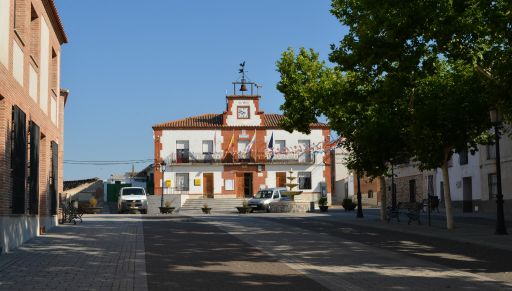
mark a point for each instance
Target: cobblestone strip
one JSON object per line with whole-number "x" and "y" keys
{"x": 345, "y": 265}
{"x": 102, "y": 253}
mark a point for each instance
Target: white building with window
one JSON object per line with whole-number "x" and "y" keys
{"x": 235, "y": 153}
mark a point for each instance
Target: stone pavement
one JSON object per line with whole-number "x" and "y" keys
{"x": 103, "y": 253}
{"x": 258, "y": 251}
{"x": 347, "y": 265}
{"x": 470, "y": 229}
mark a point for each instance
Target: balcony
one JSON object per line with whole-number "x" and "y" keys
{"x": 186, "y": 157}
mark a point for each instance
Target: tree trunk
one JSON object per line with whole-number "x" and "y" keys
{"x": 383, "y": 198}
{"x": 447, "y": 195}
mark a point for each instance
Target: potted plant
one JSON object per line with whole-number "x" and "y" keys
{"x": 206, "y": 209}
{"x": 245, "y": 207}
{"x": 91, "y": 208}
{"x": 348, "y": 204}
{"x": 167, "y": 208}
{"x": 322, "y": 203}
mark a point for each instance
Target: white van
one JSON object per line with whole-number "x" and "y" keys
{"x": 132, "y": 198}
{"x": 264, "y": 197}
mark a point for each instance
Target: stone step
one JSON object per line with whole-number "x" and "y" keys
{"x": 217, "y": 205}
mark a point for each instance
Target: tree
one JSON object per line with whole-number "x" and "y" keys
{"x": 371, "y": 123}
{"x": 449, "y": 114}
{"x": 415, "y": 58}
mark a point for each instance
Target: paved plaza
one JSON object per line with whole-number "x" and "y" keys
{"x": 331, "y": 251}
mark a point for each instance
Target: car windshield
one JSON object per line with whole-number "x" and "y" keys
{"x": 264, "y": 194}
{"x": 133, "y": 191}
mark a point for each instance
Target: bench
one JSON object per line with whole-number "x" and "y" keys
{"x": 71, "y": 213}
{"x": 410, "y": 209}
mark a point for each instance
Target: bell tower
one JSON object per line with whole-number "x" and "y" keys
{"x": 243, "y": 106}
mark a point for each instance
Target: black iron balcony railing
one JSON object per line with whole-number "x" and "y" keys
{"x": 186, "y": 157}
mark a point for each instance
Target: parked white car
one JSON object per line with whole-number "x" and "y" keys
{"x": 264, "y": 197}
{"x": 132, "y": 198}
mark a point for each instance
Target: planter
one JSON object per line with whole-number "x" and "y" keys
{"x": 324, "y": 208}
{"x": 92, "y": 210}
{"x": 243, "y": 210}
{"x": 206, "y": 210}
{"x": 165, "y": 210}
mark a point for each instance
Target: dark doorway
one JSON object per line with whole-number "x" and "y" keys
{"x": 18, "y": 159}
{"x": 412, "y": 190}
{"x": 248, "y": 184}
{"x": 35, "y": 137}
{"x": 467, "y": 195}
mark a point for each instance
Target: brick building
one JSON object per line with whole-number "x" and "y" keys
{"x": 235, "y": 153}
{"x": 31, "y": 118}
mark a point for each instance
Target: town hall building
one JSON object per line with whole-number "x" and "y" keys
{"x": 235, "y": 153}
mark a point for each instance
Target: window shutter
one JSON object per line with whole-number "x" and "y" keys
{"x": 35, "y": 137}
{"x": 18, "y": 159}
{"x": 54, "y": 182}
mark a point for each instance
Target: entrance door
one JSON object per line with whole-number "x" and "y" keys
{"x": 208, "y": 185}
{"x": 280, "y": 179}
{"x": 247, "y": 185}
{"x": 240, "y": 185}
{"x": 467, "y": 195}
{"x": 412, "y": 190}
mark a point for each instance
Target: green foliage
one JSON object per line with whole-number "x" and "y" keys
{"x": 348, "y": 204}
{"x": 322, "y": 201}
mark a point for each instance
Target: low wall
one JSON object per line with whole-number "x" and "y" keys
{"x": 289, "y": 206}
{"x": 17, "y": 229}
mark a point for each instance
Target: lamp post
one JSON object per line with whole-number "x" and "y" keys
{"x": 359, "y": 205}
{"x": 162, "y": 169}
{"x": 500, "y": 216}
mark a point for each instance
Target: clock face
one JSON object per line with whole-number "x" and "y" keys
{"x": 243, "y": 112}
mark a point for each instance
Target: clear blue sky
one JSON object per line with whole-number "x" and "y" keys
{"x": 132, "y": 64}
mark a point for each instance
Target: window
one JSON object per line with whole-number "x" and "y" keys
{"x": 493, "y": 185}
{"x": 491, "y": 151}
{"x": 34, "y": 35}
{"x": 182, "y": 154}
{"x": 280, "y": 146}
{"x": 370, "y": 194}
{"x": 304, "y": 180}
{"x": 463, "y": 157}
{"x": 207, "y": 146}
{"x": 18, "y": 159}
{"x": 5, "y": 12}
{"x": 182, "y": 181}
{"x": 305, "y": 154}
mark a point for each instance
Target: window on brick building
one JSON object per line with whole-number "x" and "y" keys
{"x": 370, "y": 194}
{"x": 18, "y": 159}
{"x": 304, "y": 180}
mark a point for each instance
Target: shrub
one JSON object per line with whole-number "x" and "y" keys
{"x": 245, "y": 204}
{"x": 168, "y": 204}
{"x": 348, "y": 204}
{"x": 205, "y": 205}
{"x": 322, "y": 201}
{"x": 93, "y": 202}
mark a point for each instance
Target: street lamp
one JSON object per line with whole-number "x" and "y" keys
{"x": 359, "y": 205}
{"x": 162, "y": 169}
{"x": 500, "y": 216}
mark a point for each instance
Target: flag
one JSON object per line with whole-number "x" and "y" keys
{"x": 230, "y": 143}
{"x": 271, "y": 146}
{"x": 251, "y": 143}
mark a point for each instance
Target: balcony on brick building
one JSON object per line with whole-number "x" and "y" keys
{"x": 185, "y": 157}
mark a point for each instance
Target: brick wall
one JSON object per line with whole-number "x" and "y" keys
{"x": 12, "y": 93}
